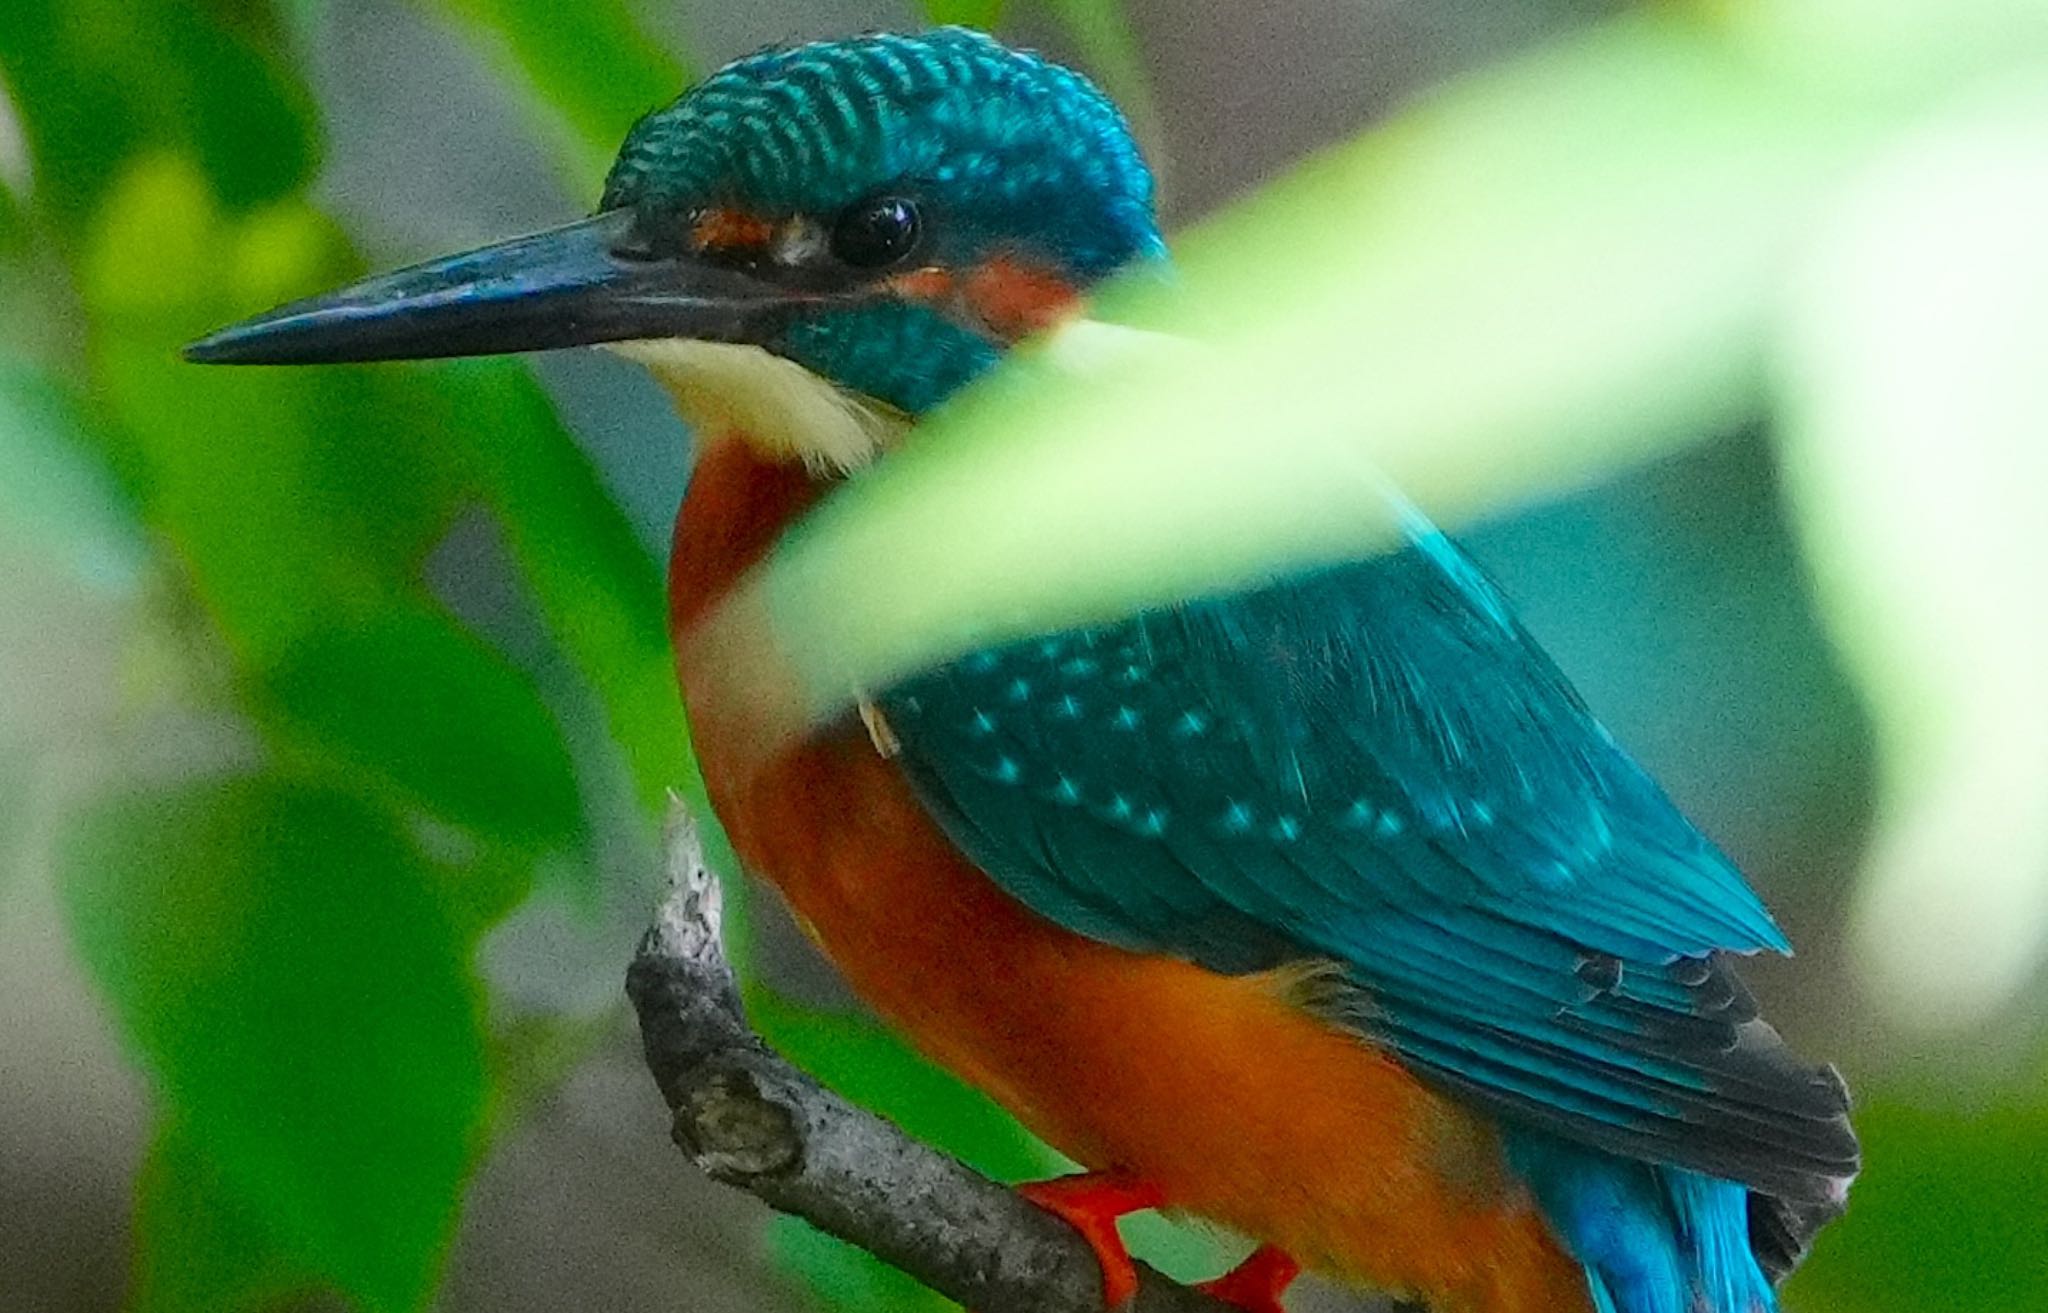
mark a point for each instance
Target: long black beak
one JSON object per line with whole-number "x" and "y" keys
{"x": 593, "y": 281}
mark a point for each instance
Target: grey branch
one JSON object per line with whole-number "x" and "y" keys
{"x": 749, "y": 1119}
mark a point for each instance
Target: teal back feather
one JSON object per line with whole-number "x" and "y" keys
{"x": 1374, "y": 766}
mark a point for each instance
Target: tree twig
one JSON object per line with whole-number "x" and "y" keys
{"x": 748, "y": 1118}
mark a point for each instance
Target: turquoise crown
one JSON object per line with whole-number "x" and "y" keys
{"x": 1003, "y": 140}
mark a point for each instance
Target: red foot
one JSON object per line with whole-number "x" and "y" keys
{"x": 1256, "y": 1284}
{"x": 1090, "y": 1202}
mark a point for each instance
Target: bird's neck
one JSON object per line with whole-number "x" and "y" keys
{"x": 837, "y": 389}
{"x": 776, "y": 433}
{"x": 781, "y": 408}
{"x": 739, "y": 501}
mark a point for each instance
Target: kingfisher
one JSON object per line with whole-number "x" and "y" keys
{"x": 1325, "y": 910}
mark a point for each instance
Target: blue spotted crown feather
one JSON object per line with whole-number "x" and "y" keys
{"x": 815, "y": 127}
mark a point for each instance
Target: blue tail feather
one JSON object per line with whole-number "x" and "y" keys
{"x": 1652, "y": 1239}
{"x": 1713, "y": 1221}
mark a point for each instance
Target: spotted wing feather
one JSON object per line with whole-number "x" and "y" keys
{"x": 1375, "y": 766}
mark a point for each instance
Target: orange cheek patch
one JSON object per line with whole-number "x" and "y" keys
{"x": 1016, "y": 300}
{"x": 931, "y": 286}
{"x": 730, "y": 230}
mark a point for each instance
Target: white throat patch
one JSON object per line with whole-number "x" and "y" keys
{"x": 782, "y": 409}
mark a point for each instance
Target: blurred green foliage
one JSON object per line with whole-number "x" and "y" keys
{"x": 1947, "y": 1215}
{"x": 200, "y": 1242}
{"x": 290, "y": 953}
{"x": 591, "y": 67}
{"x": 98, "y": 83}
{"x": 295, "y": 974}
{"x": 972, "y": 13}
{"x": 1542, "y": 272}
{"x": 459, "y": 736}
{"x": 291, "y": 965}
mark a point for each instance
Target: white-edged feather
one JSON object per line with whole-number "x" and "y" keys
{"x": 787, "y": 412}
{"x": 782, "y": 409}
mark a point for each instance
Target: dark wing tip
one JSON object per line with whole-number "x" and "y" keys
{"x": 1782, "y": 1231}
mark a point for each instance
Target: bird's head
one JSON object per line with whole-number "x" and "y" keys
{"x": 810, "y": 244}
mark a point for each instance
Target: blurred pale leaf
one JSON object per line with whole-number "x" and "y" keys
{"x": 198, "y": 1247}
{"x": 1915, "y": 411}
{"x": 279, "y": 957}
{"x": 1553, "y": 269}
{"x": 1885, "y": 56}
{"x": 71, "y": 562}
{"x": 98, "y": 82}
{"x": 591, "y": 63}
{"x": 56, "y": 495}
{"x": 406, "y": 696}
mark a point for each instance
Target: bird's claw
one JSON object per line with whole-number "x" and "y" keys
{"x": 1256, "y": 1284}
{"x": 1091, "y": 1203}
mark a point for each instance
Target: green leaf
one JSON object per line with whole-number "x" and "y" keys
{"x": 590, "y": 63}
{"x": 984, "y": 14}
{"x": 99, "y": 82}
{"x": 596, "y": 586}
{"x": 279, "y": 957}
{"x": 199, "y": 1248}
{"x": 406, "y": 696}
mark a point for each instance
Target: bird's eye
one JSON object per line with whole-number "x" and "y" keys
{"x": 876, "y": 232}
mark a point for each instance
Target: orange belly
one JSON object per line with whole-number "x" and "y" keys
{"x": 1240, "y": 1106}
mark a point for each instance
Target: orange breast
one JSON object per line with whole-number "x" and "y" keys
{"x": 1240, "y": 1106}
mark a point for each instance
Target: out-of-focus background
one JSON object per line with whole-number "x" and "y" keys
{"x": 335, "y": 709}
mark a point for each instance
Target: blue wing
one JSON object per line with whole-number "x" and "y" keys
{"x": 1376, "y": 766}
